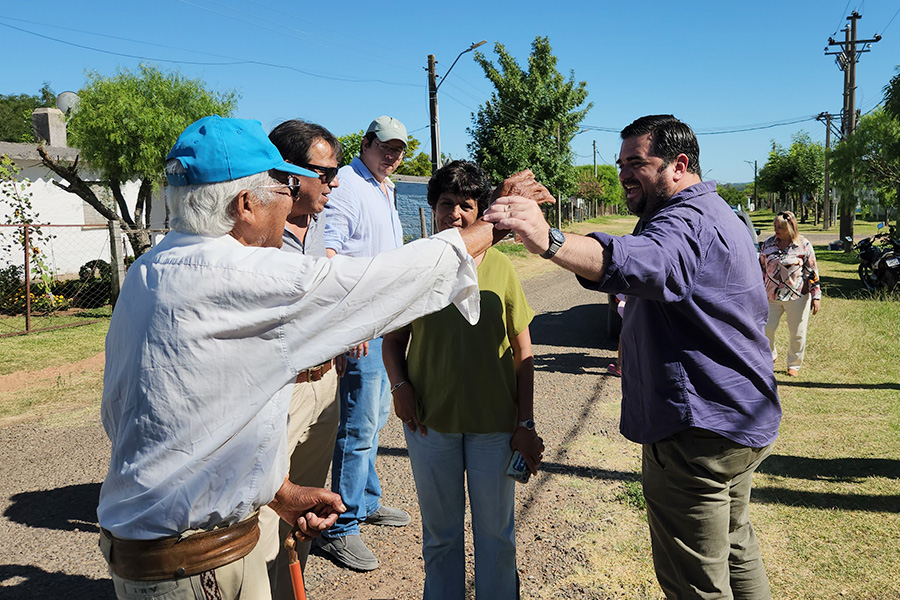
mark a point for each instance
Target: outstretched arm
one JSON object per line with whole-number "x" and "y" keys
{"x": 580, "y": 255}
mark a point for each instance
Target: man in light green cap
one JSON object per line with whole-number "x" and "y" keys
{"x": 362, "y": 221}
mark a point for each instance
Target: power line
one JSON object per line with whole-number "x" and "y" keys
{"x": 232, "y": 62}
{"x": 891, "y": 21}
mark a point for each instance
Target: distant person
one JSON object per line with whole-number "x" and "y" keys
{"x": 698, "y": 389}
{"x": 362, "y": 221}
{"x": 792, "y": 285}
{"x": 465, "y": 395}
{"x": 314, "y": 412}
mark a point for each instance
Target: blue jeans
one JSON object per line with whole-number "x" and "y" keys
{"x": 440, "y": 462}
{"x": 365, "y": 397}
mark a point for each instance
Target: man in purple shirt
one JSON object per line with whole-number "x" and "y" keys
{"x": 698, "y": 387}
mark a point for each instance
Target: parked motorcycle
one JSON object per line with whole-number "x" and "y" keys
{"x": 879, "y": 260}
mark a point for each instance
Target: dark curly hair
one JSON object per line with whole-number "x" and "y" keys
{"x": 463, "y": 178}
{"x": 669, "y": 137}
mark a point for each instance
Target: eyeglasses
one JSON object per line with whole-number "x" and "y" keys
{"x": 326, "y": 174}
{"x": 292, "y": 184}
{"x": 389, "y": 150}
{"x": 786, "y": 216}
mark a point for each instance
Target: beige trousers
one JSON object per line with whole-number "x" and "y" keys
{"x": 797, "y": 313}
{"x": 244, "y": 579}
{"x": 312, "y": 429}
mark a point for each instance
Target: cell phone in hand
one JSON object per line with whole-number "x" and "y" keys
{"x": 517, "y": 468}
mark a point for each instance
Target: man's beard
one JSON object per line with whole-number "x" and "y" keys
{"x": 650, "y": 200}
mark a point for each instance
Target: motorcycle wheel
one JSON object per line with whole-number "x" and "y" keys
{"x": 865, "y": 275}
{"x": 889, "y": 281}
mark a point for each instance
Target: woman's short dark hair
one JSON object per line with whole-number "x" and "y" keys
{"x": 295, "y": 137}
{"x": 669, "y": 137}
{"x": 462, "y": 178}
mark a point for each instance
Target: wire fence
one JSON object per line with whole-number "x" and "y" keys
{"x": 56, "y": 276}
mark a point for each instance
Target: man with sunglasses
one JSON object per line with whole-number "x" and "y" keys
{"x": 204, "y": 346}
{"x": 363, "y": 221}
{"x": 314, "y": 412}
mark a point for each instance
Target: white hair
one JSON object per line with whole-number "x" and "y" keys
{"x": 208, "y": 208}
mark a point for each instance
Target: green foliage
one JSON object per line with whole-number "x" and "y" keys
{"x": 798, "y": 170}
{"x": 732, "y": 195}
{"x": 16, "y": 195}
{"x": 15, "y": 114}
{"x": 414, "y": 163}
{"x": 892, "y": 97}
{"x": 530, "y": 119}
{"x": 126, "y": 124}
{"x": 869, "y": 158}
{"x": 603, "y": 188}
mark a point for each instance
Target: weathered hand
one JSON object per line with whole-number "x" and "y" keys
{"x": 524, "y": 217}
{"x": 815, "y": 306}
{"x": 309, "y": 510}
{"x": 530, "y": 446}
{"x": 340, "y": 364}
{"x": 405, "y": 407}
{"x": 523, "y": 184}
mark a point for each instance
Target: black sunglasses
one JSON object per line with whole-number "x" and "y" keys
{"x": 326, "y": 174}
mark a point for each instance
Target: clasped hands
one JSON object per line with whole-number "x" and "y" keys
{"x": 516, "y": 207}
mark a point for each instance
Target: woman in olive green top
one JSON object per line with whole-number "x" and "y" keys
{"x": 465, "y": 394}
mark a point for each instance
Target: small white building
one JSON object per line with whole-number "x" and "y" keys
{"x": 86, "y": 236}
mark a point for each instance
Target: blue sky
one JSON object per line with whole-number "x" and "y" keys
{"x": 719, "y": 66}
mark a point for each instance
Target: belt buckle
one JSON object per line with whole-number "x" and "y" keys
{"x": 314, "y": 373}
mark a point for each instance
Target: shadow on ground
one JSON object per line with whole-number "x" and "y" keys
{"x": 19, "y": 582}
{"x": 830, "y": 469}
{"x": 69, "y": 508}
{"x": 581, "y": 326}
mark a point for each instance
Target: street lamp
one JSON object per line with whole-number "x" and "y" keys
{"x": 433, "y": 86}
{"x": 755, "y": 191}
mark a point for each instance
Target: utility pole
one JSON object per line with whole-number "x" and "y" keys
{"x": 826, "y": 204}
{"x": 595, "y": 159}
{"x": 846, "y": 59}
{"x": 433, "y": 111}
{"x": 433, "y": 86}
{"x": 755, "y": 191}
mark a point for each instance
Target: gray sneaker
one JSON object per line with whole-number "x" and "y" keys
{"x": 386, "y": 515}
{"x": 349, "y": 551}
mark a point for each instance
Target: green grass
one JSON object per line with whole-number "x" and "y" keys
{"x": 762, "y": 219}
{"x": 826, "y": 504}
{"x": 37, "y": 351}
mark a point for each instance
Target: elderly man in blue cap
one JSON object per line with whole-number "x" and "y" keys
{"x": 206, "y": 340}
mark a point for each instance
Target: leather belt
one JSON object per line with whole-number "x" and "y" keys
{"x": 315, "y": 373}
{"x": 173, "y": 557}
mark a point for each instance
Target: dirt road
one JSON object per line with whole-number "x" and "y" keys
{"x": 51, "y": 478}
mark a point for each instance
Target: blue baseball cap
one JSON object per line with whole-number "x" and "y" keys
{"x": 216, "y": 149}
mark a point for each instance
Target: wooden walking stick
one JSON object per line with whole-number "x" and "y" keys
{"x": 294, "y": 565}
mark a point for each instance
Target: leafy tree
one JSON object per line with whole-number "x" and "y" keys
{"x": 732, "y": 195}
{"x": 796, "y": 172}
{"x": 892, "y": 97}
{"x": 15, "y": 114}
{"x": 870, "y": 158}
{"x": 125, "y": 125}
{"x": 604, "y": 188}
{"x": 530, "y": 119}
{"x": 413, "y": 163}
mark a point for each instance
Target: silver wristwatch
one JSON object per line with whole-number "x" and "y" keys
{"x": 556, "y": 241}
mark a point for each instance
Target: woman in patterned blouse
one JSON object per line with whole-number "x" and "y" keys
{"x": 792, "y": 278}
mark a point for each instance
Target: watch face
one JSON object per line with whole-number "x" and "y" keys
{"x": 557, "y": 236}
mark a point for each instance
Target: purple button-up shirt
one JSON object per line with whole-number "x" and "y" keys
{"x": 694, "y": 351}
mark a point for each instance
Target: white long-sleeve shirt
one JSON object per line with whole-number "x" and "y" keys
{"x": 205, "y": 342}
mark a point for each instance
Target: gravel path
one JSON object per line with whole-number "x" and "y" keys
{"x": 51, "y": 479}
